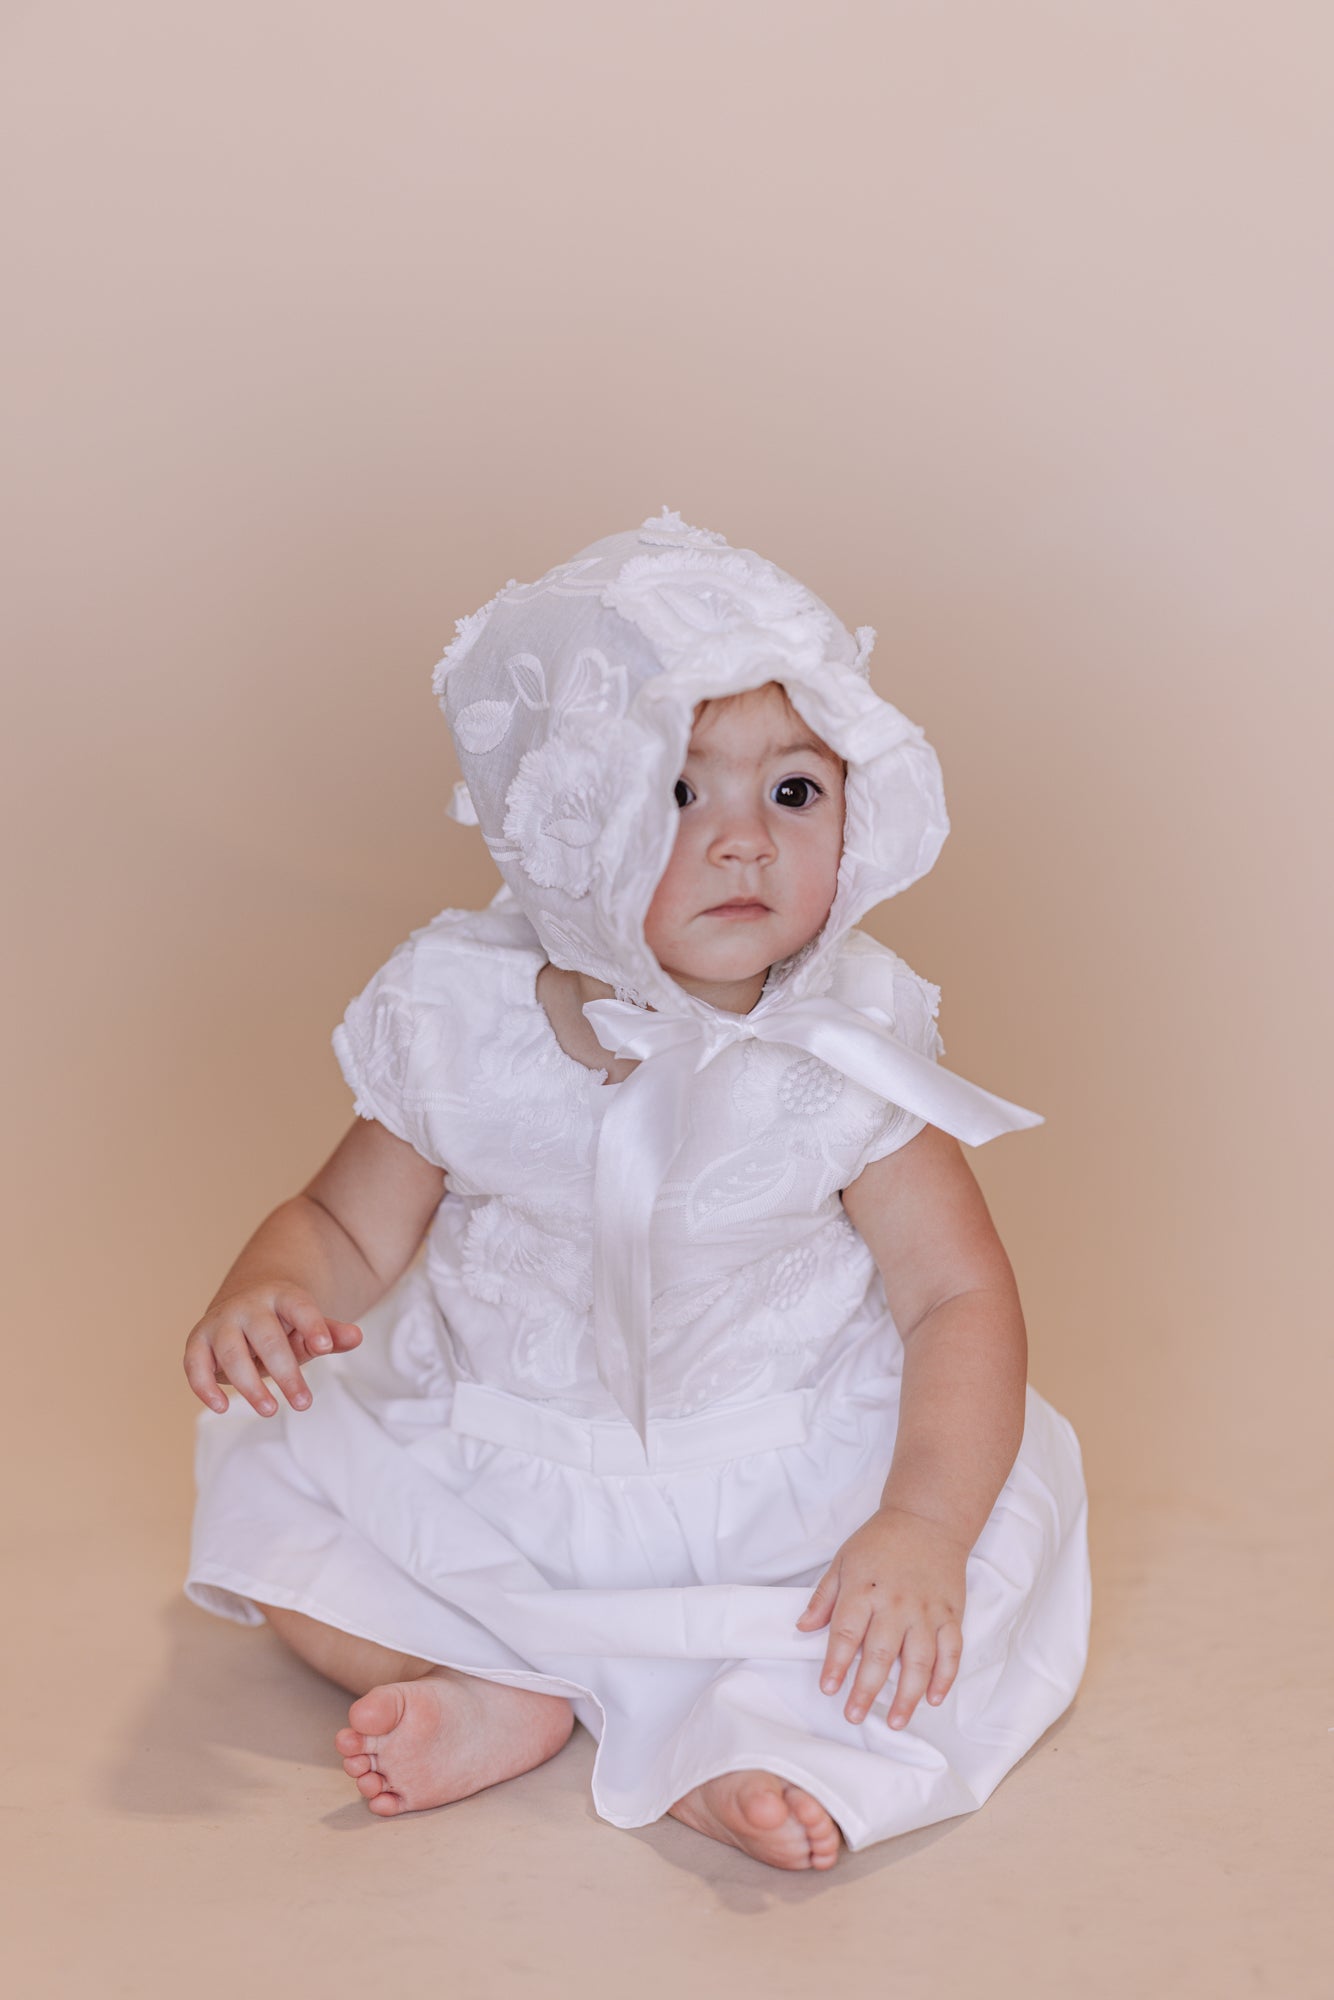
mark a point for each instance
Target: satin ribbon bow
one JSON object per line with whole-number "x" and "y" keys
{"x": 644, "y": 1125}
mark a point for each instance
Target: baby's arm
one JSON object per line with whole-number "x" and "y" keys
{"x": 343, "y": 1240}
{"x": 896, "y": 1587}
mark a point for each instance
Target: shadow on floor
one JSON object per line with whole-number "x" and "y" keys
{"x": 224, "y": 1689}
{"x": 747, "y": 1888}
{"x": 232, "y": 1698}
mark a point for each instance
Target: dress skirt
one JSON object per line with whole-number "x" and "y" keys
{"x": 492, "y": 1534}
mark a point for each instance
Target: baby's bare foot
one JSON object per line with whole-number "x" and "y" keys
{"x": 765, "y": 1818}
{"x": 421, "y": 1743}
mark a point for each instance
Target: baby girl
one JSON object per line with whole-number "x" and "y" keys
{"x": 687, "y": 1397}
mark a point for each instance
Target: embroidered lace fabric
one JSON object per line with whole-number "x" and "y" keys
{"x": 757, "y": 1271}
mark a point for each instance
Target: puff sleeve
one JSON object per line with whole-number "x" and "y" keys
{"x": 916, "y": 1003}
{"x": 374, "y": 1044}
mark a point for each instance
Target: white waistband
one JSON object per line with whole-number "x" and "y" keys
{"x": 610, "y": 1444}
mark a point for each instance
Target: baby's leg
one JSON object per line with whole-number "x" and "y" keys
{"x": 423, "y": 1735}
{"x": 354, "y": 1664}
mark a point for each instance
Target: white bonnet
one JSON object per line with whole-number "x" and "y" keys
{"x": 571, "y": 703}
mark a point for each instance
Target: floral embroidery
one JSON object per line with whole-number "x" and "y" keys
{"x": 562, "y": 797}
{"x": 784, "y": 1309}
{"x": 809, "y": 1087}
{"x": 483, "y": 724}
{"x": 797, "y": 1104}
{"x": 531, "y": 1099}
{"x": 757, "y": 1272}
{"x": 715, "y": 610}
{"x": 791, "y": 1278}
{"x": 539, "y": 1270}
{"x": 743, "y": 1187}
{"x": 593, "y": 690}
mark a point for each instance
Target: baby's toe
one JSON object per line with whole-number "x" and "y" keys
{"x": 386, "y": 1804}
{"x": 349, "y": 1742}
{"x": 356, "y": 1766}
{"x": 803, "y": 1807}
{"x": 370, "y": 1784}
{"x": 376, "y": 1713}
{"x": 821, "y": 1831}
{"x": 762, "y": 1803}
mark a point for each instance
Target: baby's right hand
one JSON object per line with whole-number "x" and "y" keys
{"x": 263, "y": 1330}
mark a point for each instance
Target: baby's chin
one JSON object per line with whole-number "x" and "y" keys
{"x": 733, "y": 959}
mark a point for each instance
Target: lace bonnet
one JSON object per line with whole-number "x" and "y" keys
{"x": 571, "y": 702}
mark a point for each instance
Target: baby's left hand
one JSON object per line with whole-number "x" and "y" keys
{"x": 896, "y": 1589}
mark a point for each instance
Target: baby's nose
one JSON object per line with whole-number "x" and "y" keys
{"x": 746, "y": 840}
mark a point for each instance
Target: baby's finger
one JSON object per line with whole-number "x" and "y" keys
{"x": 949, "y": 1652}
{"x": 919, "y": 1657}
{"x": 200, "y": 1373}
{"x": 274, "y": 1350}
{"x": 879, "y": 1652}
{"x": 823, "y": 1599}
{"x": 846, "y": 1633}
{"x": 243, "y": 1374}
{"x": 302, "y": 1316}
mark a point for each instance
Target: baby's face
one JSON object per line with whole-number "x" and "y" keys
{"x": 755, "y": 866}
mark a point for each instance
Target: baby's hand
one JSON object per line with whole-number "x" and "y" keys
{"x": 896, "y": 1589}
{"x": 264, "y": 1330}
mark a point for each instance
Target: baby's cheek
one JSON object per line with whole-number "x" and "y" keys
{"x": 658, "y": 923}
{"x": 816, "y": 901}
{"x": 667, "y": 907}
{"x": 659, "y": 915}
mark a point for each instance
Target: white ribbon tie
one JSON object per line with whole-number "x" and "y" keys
{"x": 643, "y": 1128}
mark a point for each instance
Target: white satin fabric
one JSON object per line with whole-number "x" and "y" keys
{"x": 643, "y": 1132}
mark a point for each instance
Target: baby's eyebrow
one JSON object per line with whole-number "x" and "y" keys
{"x": 813, "y": 749}
{"x": 705, "y": 756}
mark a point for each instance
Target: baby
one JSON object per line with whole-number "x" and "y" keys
{"x": 701, "y": 1414}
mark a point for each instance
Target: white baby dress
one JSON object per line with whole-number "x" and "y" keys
{"x": 611, "y": 1469}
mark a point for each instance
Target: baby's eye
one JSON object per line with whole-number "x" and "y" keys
{"x": 805, "y": 789}
{"x": 683, "y": 788}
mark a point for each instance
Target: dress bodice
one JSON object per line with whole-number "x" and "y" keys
{"x": 758, "y": 1275}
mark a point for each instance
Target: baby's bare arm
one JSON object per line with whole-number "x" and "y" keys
{"x": 953, "y": 1296}
{"x": 333, "y": 1249}
{"x": 895, "y": 1589}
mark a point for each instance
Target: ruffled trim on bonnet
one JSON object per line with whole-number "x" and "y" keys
{"x": 571, "y": 698}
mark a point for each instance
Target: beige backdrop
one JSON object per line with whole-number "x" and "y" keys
{"x": 1006, "y": 327}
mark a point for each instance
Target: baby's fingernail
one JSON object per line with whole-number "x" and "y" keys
{"x": 320, "y": 1341}
{"x": 829, "y": 1684}
{"x": 897, "y": 1721}
{"x": 300, "y": 1402}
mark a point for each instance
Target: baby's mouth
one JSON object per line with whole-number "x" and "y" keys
{"x": 740, "y": 906}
